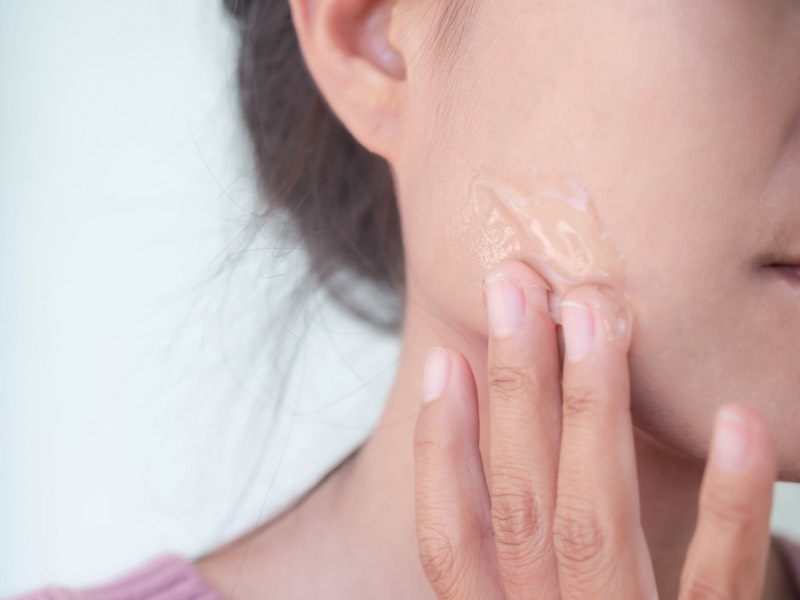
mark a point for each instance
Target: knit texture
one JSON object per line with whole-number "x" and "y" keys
{"x": 791, "y": 551}
{"x": 170, "y": 577}
{"x": 167, "y": 577}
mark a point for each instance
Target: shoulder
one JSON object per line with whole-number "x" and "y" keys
{"x": 166, "y": 576}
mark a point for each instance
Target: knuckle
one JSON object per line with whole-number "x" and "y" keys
{"x": 697, "y": 587}
{"x": 582, "y": 402}
{"x": 519, "y": 529}
{"x": 578, "y": 538}
{"x": 425, "y": 443}
{"x": 725, "y": 508}
{"x": 439, "y": 559}
{"x": 434, "y": 444}
{"x": 509, "y": 382}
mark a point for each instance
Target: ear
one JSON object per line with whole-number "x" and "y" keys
{"x": 346, "y": 46}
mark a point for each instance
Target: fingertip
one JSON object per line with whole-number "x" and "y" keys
{"x": 732, "y": 440}
{"x": 538, "y": 294}
{"x": 449, "y": 394}
{"x": 611, "y": 313}
{"x": 578, "y": 325}
{"x": 465, "y": 392}
{"x": 741, "y": 440}
{"x": 731, "y": 541}
{"x": 436, "y": 376}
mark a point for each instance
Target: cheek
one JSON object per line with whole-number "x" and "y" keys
{"x": 436, "y": 246}
{"x": 704, "y": 337}
{"x": 686, "y": 361}
{"x": 550, "y": 223}
{"x": 545, "y": 220}
{"x": 677, "y": 362}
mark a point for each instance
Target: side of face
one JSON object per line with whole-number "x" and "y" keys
{"x": 677, "y": 120}
{"x": 680, "y": 121}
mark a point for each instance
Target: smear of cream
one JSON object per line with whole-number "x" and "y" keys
{"x": 551, "y": 223}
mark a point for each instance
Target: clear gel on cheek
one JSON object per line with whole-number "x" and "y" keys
{"x": 548, "y": 222}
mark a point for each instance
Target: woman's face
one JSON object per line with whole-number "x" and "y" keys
{"x": 652, "y": 145}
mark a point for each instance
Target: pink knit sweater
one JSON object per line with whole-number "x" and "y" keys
{"x": 170, "y": 577}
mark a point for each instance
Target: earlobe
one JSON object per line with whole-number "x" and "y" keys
{"x": 346, "y": 46}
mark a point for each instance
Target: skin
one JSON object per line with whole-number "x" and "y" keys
{"x": 687, "y": 147}
{"x": 567, "y": 524}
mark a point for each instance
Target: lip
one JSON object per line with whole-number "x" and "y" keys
{"x": 788, "y": 271}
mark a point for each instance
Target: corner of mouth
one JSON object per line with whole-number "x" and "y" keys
{"x": 787, "y": 270}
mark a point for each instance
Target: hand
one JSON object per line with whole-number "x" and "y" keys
{"x": 559, "y": 515}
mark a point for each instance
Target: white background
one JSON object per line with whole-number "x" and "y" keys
{"x": 136, "y": 399}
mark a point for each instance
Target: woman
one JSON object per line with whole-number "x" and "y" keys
{"x": 589, "y": 211}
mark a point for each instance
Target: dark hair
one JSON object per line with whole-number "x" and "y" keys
{"x": 339, "y": 198}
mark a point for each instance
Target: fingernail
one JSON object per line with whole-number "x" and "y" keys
{"x": 578, "y": 325}
{"x": 615, "y": 315}
{"x": 436, "y": 375}
{"x": 505, "y": 303}
{"x": 732, "y": 441}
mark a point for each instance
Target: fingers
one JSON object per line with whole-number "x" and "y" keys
{"x": 452, "y": 503}
{"x": 728, "y": 553}
{"x": 524, "y": 412}
{"x": 597, "y": 534}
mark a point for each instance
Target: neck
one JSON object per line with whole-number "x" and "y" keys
{"x": 356, "y": 532}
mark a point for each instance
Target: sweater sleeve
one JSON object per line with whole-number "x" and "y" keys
{"x": 167, "y": 577}
{"x": 791, "y": 552}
